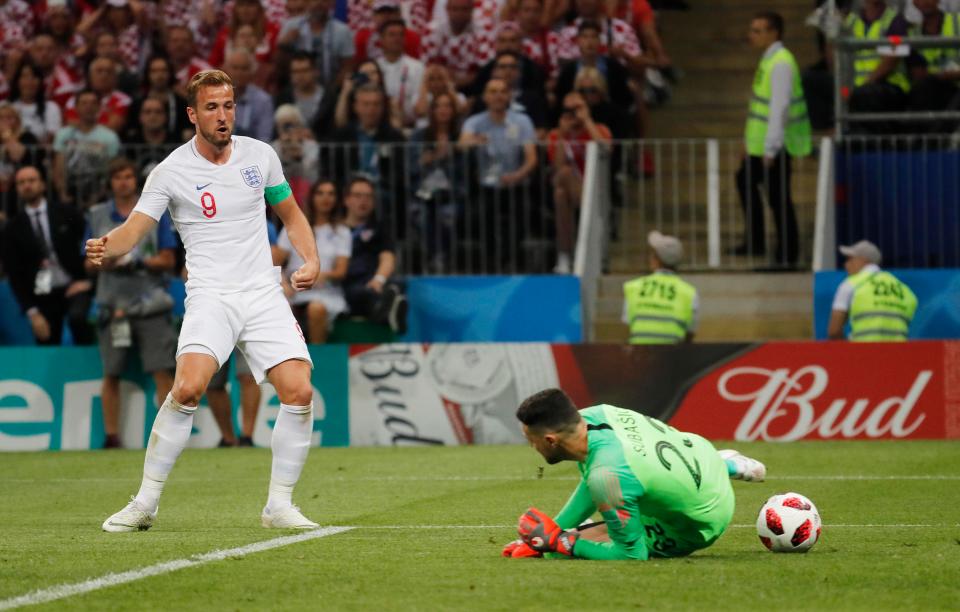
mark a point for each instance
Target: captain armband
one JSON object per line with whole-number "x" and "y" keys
{"x": 277, "y": 193}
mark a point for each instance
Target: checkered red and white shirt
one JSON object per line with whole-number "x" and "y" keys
{"x": 16, "y": 25}
{"x": 185, "y": 73}
{"x": 542, "y": 50}
{"x": 115, "y": 103}
{"x": 614, "y": 32}
{"x": 462, "y": 53}
{"x": 415, "y": 12}
{"x": 130, "y": 44}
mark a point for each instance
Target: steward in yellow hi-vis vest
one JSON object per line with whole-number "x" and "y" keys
{"x": 877, "y": 304}
{"x": 777, "y": 129}
{"x": 660, "y": 308}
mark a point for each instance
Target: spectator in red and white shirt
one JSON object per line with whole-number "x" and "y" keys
{"x": 639, "y": 14}
{"x": 129, "y": 21}
{"x": 105, "y": 45}
{"x": 617, "y": 38}
{"x": 367, "y": 41}
{"x": 114, "y": 104}
{"x": 60, "y": 80}
{"x": 458, "y": 43}
{"x": 416, "y": 13}
{"x": 16, "y": 25}
{"x": 183, "y": 57}
{"x": 247, "y": 12}
{"x": 540, "y": 44}
{"x": 531, "y": 76}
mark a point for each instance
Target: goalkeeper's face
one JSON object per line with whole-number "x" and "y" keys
{"x": 215, "y": 114}
{"x": 549, "y": 445}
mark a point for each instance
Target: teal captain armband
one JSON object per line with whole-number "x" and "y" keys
{"x": 277, "y": 193}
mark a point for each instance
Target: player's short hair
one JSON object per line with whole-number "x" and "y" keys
{"x": 206, "y": 78}
{"x": 774, "y": 21}
{"x": 550, "y": 410}
{"x": 118, "y": 165}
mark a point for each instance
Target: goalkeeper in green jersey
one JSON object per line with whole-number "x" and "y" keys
{"x": 661, "y": 492}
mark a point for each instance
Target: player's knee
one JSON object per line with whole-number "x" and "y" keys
{"x": 297, "y": 394}
{"x": 188, "y": 389}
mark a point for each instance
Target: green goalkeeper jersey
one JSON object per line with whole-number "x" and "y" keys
{"x": 662, "y": 492}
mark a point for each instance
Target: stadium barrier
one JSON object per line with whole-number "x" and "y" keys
{"x": 938, "y": 309}
{"x": 440, "y": 394}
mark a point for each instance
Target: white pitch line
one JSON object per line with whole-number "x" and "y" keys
{"x": 68, "y": 590}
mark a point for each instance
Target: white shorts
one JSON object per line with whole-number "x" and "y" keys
{"x": 257, "y": 322}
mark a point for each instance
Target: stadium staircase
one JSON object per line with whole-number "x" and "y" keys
{"x": 708, "y": 44}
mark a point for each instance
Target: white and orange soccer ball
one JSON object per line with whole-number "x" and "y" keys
{"x": 788, "y": 522}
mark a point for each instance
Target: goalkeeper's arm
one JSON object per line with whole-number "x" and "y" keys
{"x": 615, "y": 495}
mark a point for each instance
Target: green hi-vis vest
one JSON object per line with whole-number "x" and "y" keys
{"x": 940, "y": 58}
{"x": 882, "y": 308}
{"x": 659, "y": 308}
{"x": 867, "y": 60}
{"x": 796, "y": 136}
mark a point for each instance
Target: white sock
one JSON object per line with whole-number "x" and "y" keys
{"x": 171, "y": 430}
{"x": 290, "y": 443}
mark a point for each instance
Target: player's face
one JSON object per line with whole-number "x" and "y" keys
{"x": 214, "y": 115}
{"x": 545, "y": 444}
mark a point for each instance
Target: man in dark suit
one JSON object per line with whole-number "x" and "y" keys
{"x": 42, "y": 255}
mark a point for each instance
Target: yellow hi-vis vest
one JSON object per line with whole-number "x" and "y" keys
{"x": 940, "y": 58}
{"x": 882, "y": 307}
{"x": 659, "y": 308}
{"x": 796, "y": 137}
{"x": 867, "y": 60}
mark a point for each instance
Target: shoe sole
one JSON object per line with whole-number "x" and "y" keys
{"x": 269, "y": 525}
{"x": 124, "y": 528}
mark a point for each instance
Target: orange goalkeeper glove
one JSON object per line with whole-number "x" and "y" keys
{"x": 518, "y": 549}
{"x": 542, "y": 534}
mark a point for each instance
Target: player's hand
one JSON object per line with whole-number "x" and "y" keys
{"x": 97, "y": 250}
{"x": 306, "y": 276}
{"x": 518, "y": 549}
{"x": 542, "y": 534}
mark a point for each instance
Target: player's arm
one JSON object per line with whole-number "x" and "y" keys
{"x": 120, "y": 240}
{"x": 615, "y": 495}
{"x": 301, "y": 237}
{"x": 578, "y": 508}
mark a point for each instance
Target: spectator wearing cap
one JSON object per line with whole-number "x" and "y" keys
{"x": 878, "y": 306}
{"x": 182, "y": 52}
{"x": 114, "y": 104}
{"x": 567, "y": 151}
{"x": 661, "y": 308}
{"x": 402, "y": 74}
{"x": 254, "y": 110}
{"x": 458, "y": 43}
{"x": 328, "y": 41}
{"x": 81, "y": 152}
{"x": 41, "y": 252}
{"x": 368, "y": 42}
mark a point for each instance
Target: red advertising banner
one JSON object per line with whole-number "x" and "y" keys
{"x": 828, "y": 390}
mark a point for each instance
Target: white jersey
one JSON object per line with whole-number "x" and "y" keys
{"x": 218, "y": 211}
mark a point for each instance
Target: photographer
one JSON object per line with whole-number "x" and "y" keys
{"x": 134, "y": 306}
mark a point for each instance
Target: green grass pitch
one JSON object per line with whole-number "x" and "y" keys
{"x": 430, "y": 523}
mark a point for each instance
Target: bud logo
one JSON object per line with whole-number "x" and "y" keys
{"x": 794, "y": 391}
{"x": 790, "y": 396}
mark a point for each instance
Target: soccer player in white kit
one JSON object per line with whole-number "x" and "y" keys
{"x": 214, "y": 186}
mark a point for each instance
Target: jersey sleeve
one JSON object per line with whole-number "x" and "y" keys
{"x": 155, "y": 197}
{"x": 274, "y": 167}
{"x": 615, "y": 494}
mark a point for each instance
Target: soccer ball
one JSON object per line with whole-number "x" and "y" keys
{"x": 788, "y": 522}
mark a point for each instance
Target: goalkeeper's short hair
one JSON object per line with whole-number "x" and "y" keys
{"x": 550, "y": 410}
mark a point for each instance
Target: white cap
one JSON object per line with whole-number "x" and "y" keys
{"x": 669, "y": 250}
{"x": 863, "y": 249}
